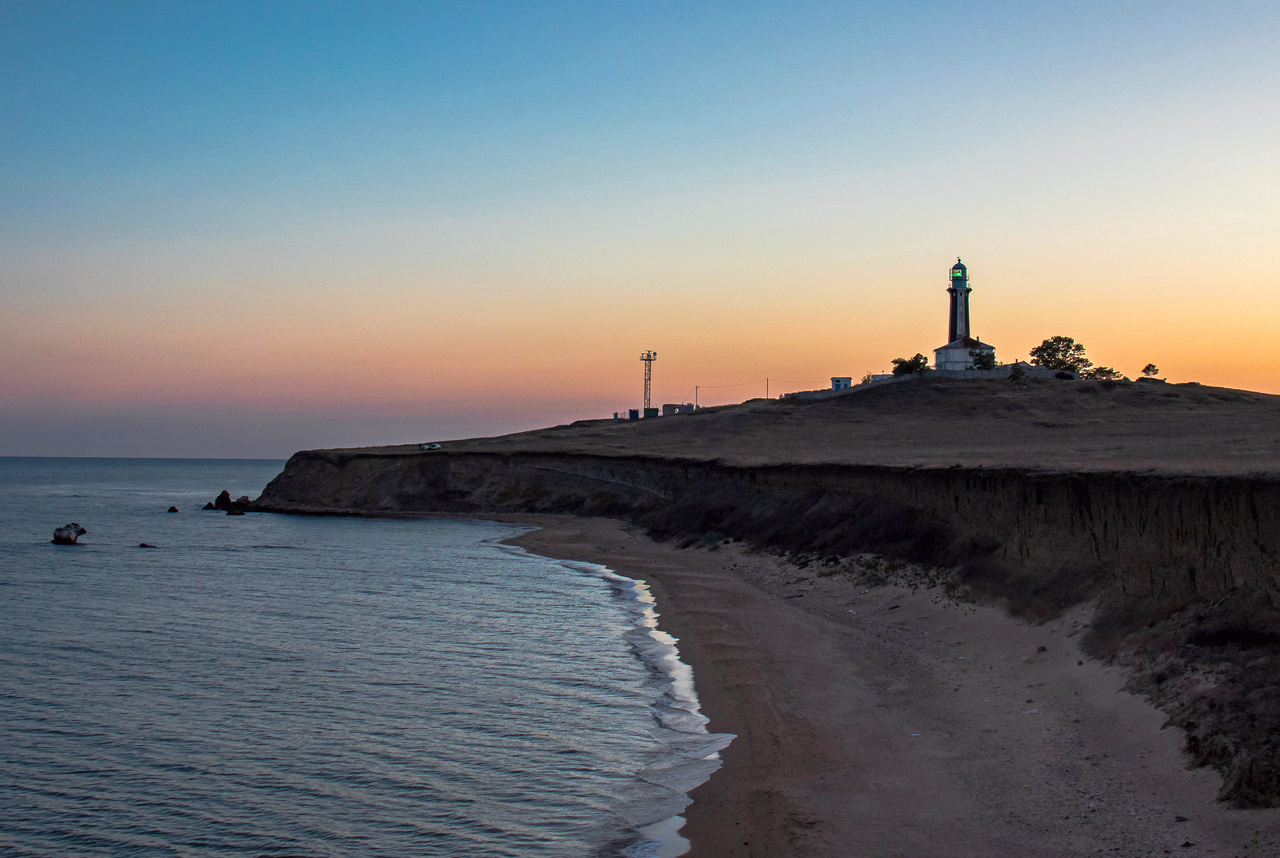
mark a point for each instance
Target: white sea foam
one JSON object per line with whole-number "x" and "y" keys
{"x": 686, "y": 753}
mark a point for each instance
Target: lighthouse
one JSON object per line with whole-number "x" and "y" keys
{"x": 955, "y": 355}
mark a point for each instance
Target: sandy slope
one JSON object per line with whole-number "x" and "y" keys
{"x": 925, "y": 729}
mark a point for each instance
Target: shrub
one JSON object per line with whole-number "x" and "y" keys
{"x": 1061, "y": 353}
{"x": 907, "y": 366}
{"x": 982, "y": 360}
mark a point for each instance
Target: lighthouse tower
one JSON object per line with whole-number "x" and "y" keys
{"x": 959, "y": 289}
{"x": 956, "y": 354}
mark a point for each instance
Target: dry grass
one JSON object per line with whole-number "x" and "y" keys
{"x": 1085, "y": 425}
{"x": 1214, "y": 666}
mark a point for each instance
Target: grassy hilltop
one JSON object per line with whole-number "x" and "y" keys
{"x": 1057, "y": 425}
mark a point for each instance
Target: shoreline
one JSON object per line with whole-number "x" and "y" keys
{"x": 692, "y": 750}
{"x": 896, "y": 722}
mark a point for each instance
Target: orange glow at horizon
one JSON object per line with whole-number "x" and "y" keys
{"x": 388, "y": 348}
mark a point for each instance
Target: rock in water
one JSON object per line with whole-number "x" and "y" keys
{"x": 224, "y": 502}
{"x": 173, "y": 509}
{"x": 145, "y": 545}
{"x": 209, "y": 505}
{"x": 68, "y": 534}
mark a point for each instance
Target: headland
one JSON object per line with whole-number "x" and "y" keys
{"x": 815, "y": 558}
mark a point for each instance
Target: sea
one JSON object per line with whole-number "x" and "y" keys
{"x": 273, "y": 685}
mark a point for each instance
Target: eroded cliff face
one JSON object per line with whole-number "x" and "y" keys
{"x": 1056, "y": 534}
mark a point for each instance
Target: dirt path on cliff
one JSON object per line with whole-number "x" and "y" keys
{"x": 881, "y": 722}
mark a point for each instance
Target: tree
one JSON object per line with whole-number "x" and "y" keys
{"x": 1151, "y": 370}
{"x": 982, "y": 360}
{"x": 907, "y": 366}
{"x": 1106, "y": 373}
{"x": 1063, "y": 354}
{"x": 1016, "y": 372}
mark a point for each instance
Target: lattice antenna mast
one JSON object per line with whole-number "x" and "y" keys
{"x": 648, "y": 358}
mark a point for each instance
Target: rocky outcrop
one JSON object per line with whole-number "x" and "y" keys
{"x": 225, "y": 503}
{"x": 68, "y": 534}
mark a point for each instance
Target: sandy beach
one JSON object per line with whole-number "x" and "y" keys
{"x": 885, "y": 722}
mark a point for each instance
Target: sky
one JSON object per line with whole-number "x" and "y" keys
{"x": 243, "y": 229}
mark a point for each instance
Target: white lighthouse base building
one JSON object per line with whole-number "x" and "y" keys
{"x": 956, "y": 355}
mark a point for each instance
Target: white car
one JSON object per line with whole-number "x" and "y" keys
{"x": 428, "y": 447}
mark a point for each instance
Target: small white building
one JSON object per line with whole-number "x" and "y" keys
{"x": 841, "y": 382}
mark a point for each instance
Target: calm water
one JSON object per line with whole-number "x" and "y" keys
{"x": 276, "y": 685}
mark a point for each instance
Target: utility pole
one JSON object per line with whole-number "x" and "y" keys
{"x": 648, "y": 357}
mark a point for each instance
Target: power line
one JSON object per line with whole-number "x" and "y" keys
{"x": 741, "y": 384}
{"x": 765, "y": 381}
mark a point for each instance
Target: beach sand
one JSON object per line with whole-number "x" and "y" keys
{"x": 885, "y": 722}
